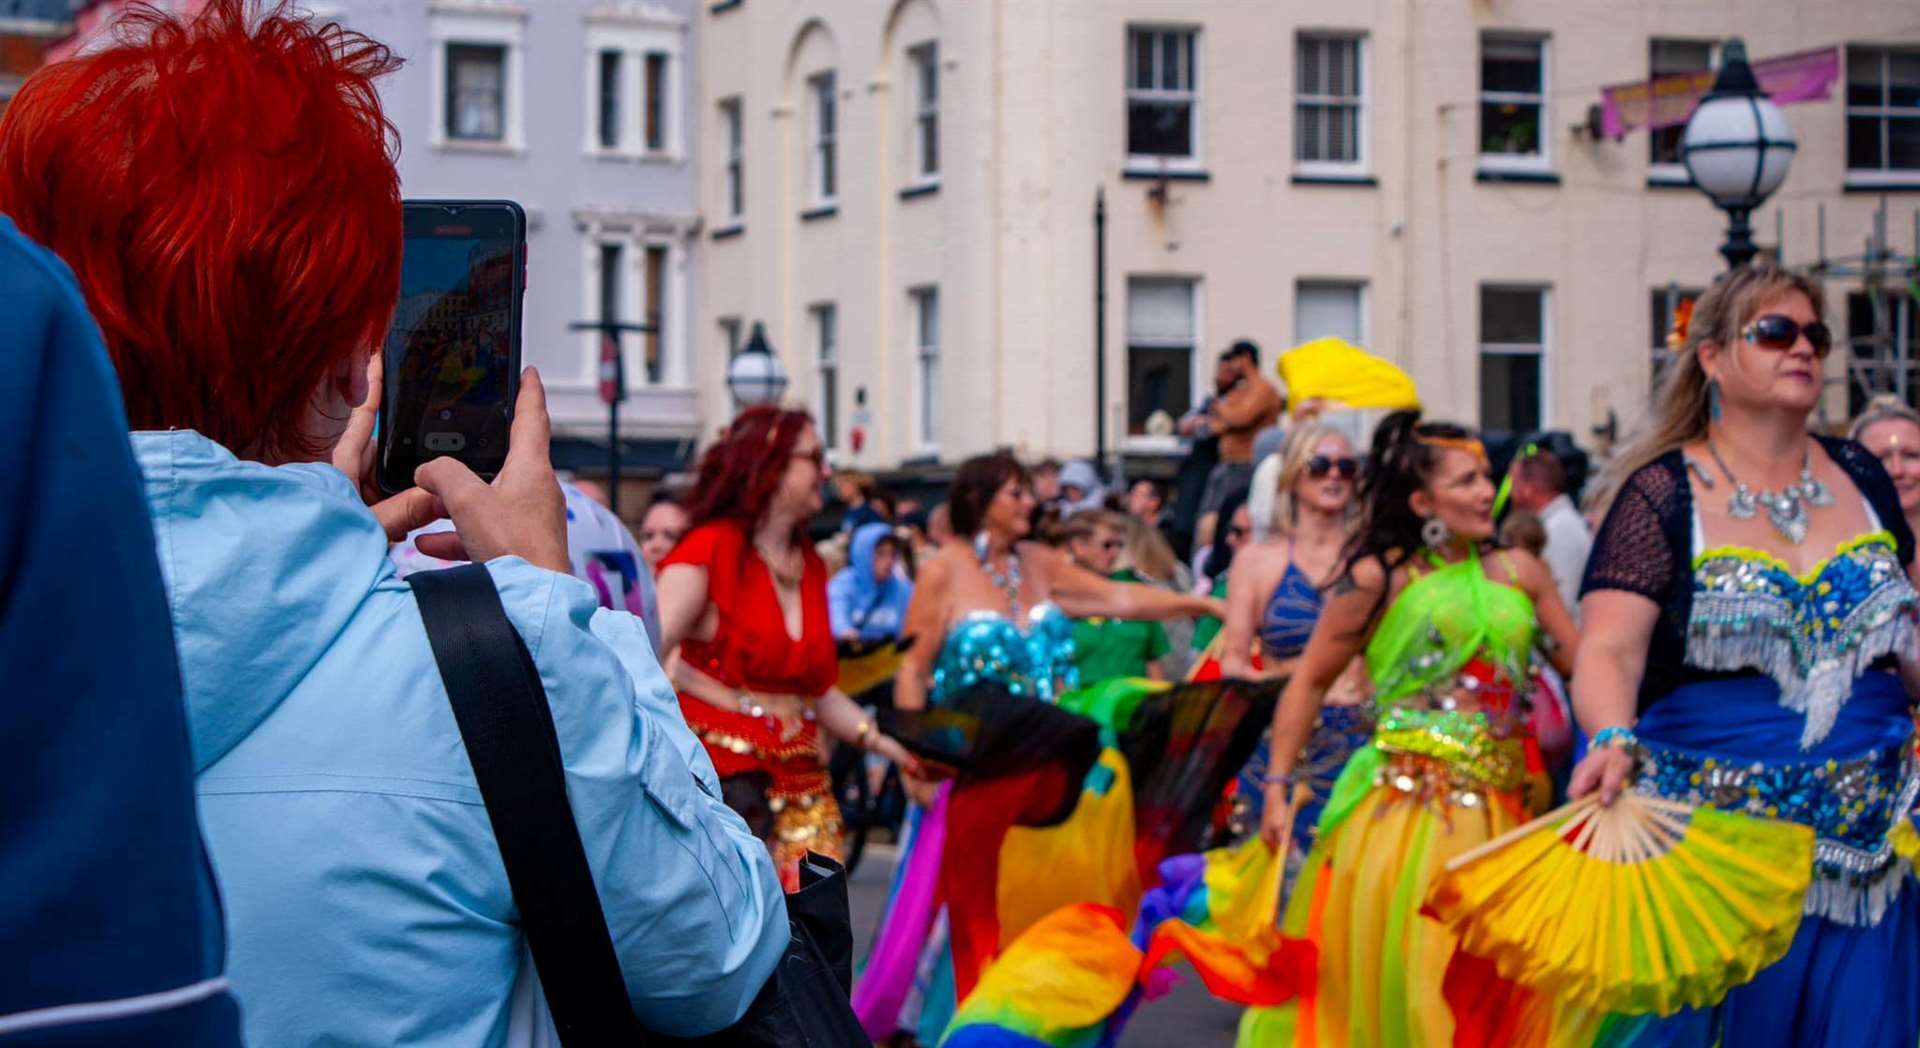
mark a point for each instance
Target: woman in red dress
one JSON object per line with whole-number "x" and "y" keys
{"x": 744, "y": 599}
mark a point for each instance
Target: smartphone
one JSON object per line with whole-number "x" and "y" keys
{"x": 453, "y": 350}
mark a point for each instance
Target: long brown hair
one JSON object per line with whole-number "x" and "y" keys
{"x": 1680, "y": 409}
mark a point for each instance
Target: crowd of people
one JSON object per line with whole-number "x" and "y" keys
{"x": 1725, "y": 619}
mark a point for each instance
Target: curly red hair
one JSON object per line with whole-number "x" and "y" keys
{"x": 739, "y": 475}
{"x": 225, "y": 191}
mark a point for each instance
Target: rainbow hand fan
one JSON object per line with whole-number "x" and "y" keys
{"x": 1642, "y": 906}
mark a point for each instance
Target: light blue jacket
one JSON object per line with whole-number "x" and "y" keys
{"x": 858, "y": 602}
{"x": 366, "y": 901}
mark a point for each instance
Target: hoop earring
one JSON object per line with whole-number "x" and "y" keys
{"x": 1435, "y": 533}
{"x": 1713, "y": 399}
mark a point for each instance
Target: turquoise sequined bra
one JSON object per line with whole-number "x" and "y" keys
{"x": 988, "y": 646}
{"x": 1812, "y": 634}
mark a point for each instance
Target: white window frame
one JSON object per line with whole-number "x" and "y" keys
{"x": 826, "y": 359}
{"x": 635, "y": 36}
{"x": 1153, "y": 164}
{"x": 1362, "y": 164}
{"x": 1538, "y": 163}
{"x": 823, "y": 144}
{"x": 1544, "y": 350}
{"x": 1673, "y": 174}
{"x": 1876, "y": 176}
{"x": 482, "y": 25}
{"x": 926, "y": 369}
{"x": 923, "y": 60}
{"x": 1362, "y": 301}
{"x": 636, "y": 234}
{"x": 1199, "y": 376}
{"x": 733, "y": 162}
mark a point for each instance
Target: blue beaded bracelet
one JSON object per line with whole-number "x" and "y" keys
{"x": 1288, "y": 780}
{"x": 1624, "y": 738}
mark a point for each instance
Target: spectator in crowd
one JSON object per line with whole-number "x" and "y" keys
{"x": 1249, "y": 405}
{"x": 1080, "y": 487}
{"x": 1147, "y": 502}
{"x": 1046, "y": 481}
{"x": 939, "y": 526}
{"x": 1891, "y": 430}
{"x": 109, "y": 913}
{"x": 1105, "y": 648}
{"x": 661, "y": 529}
{"x": 1540, "y": 488}
{"x": 364, "y": 892}
{"x": 853, "y": 489}
{"x": 867, "y": 599}
{"x": 1523, "y": 531}
{"x": 1203, "y": 453}
{"x": 1217, "y": 558}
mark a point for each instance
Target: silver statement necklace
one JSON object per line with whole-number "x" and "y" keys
{"x": 1786, "y": 510}
{"x": 1008, "y": 583}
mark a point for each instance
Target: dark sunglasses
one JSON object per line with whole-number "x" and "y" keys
{"x": 1779, "y": 333}
{"x": 1321, "y": 466}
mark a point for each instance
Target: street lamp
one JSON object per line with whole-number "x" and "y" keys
{"x": 754, "y": 375}
{"x": 1736, "y": 147}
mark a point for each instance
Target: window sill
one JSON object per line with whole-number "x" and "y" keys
{"x": 923, "y": 458}
{"x": 625, "y": 156}
{"x": 1144, "y": 444}
{"x": 481, "y": 146}
{"x": 1363, "y": 181}
{"x": 1881, "y": 182}
{"x": 1521, "y": 178}
{"x": 924, "y": 189}
{"x": 817, "y": 213}
{"x": 724, "y": 6}
{"x": 1669, "y": 182}
{"x": 728, "y": 232}
{"x": 1135, "y": 172}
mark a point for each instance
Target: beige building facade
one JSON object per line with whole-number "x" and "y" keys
{"x": 904, "y": 195}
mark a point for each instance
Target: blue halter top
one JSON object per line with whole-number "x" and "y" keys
{"x": 1036, "y": 661}
{"x": 1290, "y": 615}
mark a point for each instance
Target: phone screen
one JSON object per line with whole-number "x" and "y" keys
{"x": 453, "y": 350}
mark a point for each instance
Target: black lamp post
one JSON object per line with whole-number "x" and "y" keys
{"x": 754, "y": 375}
{"x": 1736, "y": 148}
{"x": 613, "y": 390}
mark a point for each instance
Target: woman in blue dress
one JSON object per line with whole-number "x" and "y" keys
{"x": 1750, "y": 645}
{"x": 1273, "y": 601}
{"x": 999, "y": 610}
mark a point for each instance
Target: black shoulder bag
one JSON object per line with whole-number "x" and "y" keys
{"x": 504, "y": 720}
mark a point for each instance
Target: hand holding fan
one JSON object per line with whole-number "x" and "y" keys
{"x": 1642, "y": 906}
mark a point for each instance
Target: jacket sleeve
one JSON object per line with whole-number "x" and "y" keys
{"x": 694, "y": 906}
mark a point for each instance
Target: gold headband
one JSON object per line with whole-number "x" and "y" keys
{"x": 1470, "y": 445}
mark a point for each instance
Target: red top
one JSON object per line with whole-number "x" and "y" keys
{"x": 751, "y": 648}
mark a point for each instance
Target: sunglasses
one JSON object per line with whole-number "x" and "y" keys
{"x": 1114, "y": 546}
{"x": 1779, "y": 333}
{"x": 1321, "y": 466}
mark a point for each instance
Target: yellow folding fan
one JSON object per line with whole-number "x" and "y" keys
{"x": 1642, "y": 906}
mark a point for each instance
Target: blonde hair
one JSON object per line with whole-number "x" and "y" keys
{"x": 1884, "y": 408}
{"x": 1147, "y": 550}
{"x": 1294, "y": 456}
{"x": 1680, "y": 408}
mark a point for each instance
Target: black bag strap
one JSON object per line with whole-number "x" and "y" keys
{"x": 502, "y": 711}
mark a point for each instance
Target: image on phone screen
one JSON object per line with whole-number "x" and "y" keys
{"x": 452, "y": 352}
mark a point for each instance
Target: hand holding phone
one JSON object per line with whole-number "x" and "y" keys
{"x": 522, "y": 511}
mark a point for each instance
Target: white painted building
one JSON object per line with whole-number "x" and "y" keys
{"x": 904, "y": 194}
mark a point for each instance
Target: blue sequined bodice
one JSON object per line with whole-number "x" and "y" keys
{"x": 1814, "y": 635}
{"x": 985, "y": 645}
{"x": 1291, "y": 614}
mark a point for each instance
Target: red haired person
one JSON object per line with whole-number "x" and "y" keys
{"x": 744, "y": 598}
{"x": 224, "y": 192}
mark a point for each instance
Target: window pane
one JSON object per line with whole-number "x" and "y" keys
{"x": 1903, "y": 79}
{"x": 656, "y": 301}
{"x": 1160, "y": 311}
{"x": 1193, "y": 66}
{"x": 1863, "y": 142}
{"x": 1326, "y": 310}
{"x": 928, "y": 58}
{"x": 1679, "y": 56}
{"x": 731, "y": 109}
{"x": 1158, "y": 379}
{"x": 1172, "y": 75}
{"x": 1510, "y": 65}
{"x": 1307, "y": 72}
{"x": 1307, "y": 135}
{"x": 610, "y": 264}
{"x": 1864, "y": 65}
{"x": 929, "y": 145}
{"x": 475, "y": 91}
{"x": 1510, "y": 316}
{"x": 609, "y": 99}
{"x": 1142, "y": 71}
{"x": 1160, "y": 129}
{"x": 1337, "y": 71}
{"x": 1511, "y": 129}
{"x": 1664, "y": 144}
{"x": 656, "y": 128}
{"x": 823, "y": 104}
{"x": 929, "y": 320}
{"x": 1510, "y": 392}
{"x": 1662, "y": 317}
{"x": 1903, "y": 143}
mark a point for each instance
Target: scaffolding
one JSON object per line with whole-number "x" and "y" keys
{"x": 1878, "y": 326}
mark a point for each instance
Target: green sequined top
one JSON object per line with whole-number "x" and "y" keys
{"x": 1445, "y": 619}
